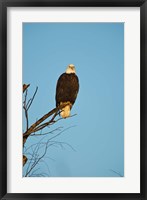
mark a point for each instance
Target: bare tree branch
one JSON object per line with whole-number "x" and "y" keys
{"x": 33, "y": 126}
{"x": 25, "y": 109}
{"x": 25, "y": 87}
{"x": 24, "y": 160}
{"x": 37, "y": 161}
{"x": 35, "y": 158}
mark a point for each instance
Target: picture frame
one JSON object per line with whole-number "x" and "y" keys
{"x": 4, "y": 108}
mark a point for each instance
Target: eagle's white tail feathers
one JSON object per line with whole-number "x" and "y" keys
{"x": 65, "y": 112}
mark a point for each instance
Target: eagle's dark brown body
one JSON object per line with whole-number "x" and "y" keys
{"x": 67, "y": 88}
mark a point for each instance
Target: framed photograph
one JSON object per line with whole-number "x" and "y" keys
{"x": 73, "y": 99}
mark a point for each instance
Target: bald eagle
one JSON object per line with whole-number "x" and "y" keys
{"x": 67, "y": 89}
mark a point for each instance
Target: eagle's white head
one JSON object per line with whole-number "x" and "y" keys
{"x": 70, "y": 69}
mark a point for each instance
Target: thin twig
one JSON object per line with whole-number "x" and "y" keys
{"x": 50, "y": 132}
{"x": 118, "y": 173}
{"x": 31, "y": 100}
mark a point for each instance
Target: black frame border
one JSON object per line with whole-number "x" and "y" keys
{"x": 4, "y": 4}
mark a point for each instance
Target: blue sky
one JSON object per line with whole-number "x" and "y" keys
{"x": 97, "y": 132}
